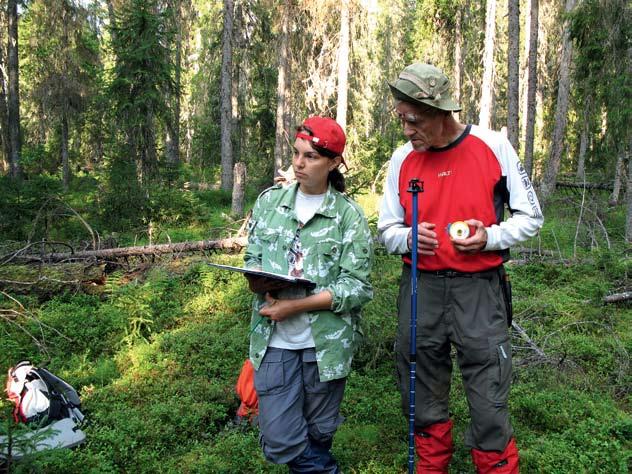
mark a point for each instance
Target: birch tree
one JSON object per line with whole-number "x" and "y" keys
{"x": 4, "y": 117}
{"x": 225, "y": 99}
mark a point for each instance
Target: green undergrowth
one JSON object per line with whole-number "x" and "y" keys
{"x": 156, "y": 359}
{"x": 39, "y": 209}
{"x": 156, "y": 355}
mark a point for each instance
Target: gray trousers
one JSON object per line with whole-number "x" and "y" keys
{"x": 295, "y": 407}
{"x": 468, "y": 313}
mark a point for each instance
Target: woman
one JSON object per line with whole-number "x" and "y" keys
{"x": 302, "y": 341}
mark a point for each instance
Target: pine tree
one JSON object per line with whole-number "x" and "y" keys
{"x": 140, "y": 88}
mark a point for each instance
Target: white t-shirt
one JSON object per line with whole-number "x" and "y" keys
{"x": 296, "y": 332}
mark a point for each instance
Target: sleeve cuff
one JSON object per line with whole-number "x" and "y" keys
{"x": 493, "y": 238}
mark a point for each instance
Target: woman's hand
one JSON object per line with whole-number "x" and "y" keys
{"x": 278, "y": 310}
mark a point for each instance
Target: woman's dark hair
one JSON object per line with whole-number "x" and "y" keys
{"x": 335, "y": 177}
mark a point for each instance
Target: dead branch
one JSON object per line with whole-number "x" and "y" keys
{"x": 530, "y": 343}
{"x": 618, "y": 297}
{"x": 230, "y": 245}
{"x": 12, "y": 316}
{"x": 39, "y": 280}
{"x": 589, "y": 210}
{"x": 382, "y": 170}
{"x": 529, "y": 261}
{"x": 243, "y": 229}
{"x": 96, "y": 239}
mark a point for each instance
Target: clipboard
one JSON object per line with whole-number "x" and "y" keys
{"x": 290, "y": 280}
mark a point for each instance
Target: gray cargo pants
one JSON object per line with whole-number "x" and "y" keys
{"x": 469, "y": 313}
{"x": 296, "y": 409}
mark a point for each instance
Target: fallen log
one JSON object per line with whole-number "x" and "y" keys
{"x": 533, "y": 251}
{"x": 618, "y": 297}
{"x": 575, "y": 185}
{"x": 230, "y": 245}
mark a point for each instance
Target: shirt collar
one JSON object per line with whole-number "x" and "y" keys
{"x": 327, "y": 208}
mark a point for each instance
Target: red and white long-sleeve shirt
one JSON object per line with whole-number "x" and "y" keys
{"x": 472, "y": 178}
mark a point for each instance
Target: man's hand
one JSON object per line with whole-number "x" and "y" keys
{"x": 278, "y": 310}
{"x": 475, "y": 242}
{"x": 261, "y": 284}
{"x": 426, "y": 239}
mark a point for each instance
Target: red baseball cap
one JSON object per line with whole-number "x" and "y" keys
{"x": 327, "y": 134}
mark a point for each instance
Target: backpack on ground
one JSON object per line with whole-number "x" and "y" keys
{"x": 41, "y": 397}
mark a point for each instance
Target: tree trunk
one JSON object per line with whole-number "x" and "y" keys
{"x": 225, "y": 99}
{"x": 172, "y": 141}
{"x": 459, "y": 54}
{"x": 239, "y": 80}
{"x": 237, "y": 99}
{"x": 561, "y": 110}
{"x": 229, "y": 245}
{"x": 487, "y": 88}
{"x": 283, "y": 94}
{"x": 513, "y": 65}
{"x": 65, "y": 164}
{"x": 343, "y": 65}
{"x": 385, "y": 106}
{"x": 239, "y": 190}
{"x": 618, "y": 179}
{"x": 628, "y": 220}
{"x": 583, "y": 140}
{"x": 15, "y": 141}
{"x": 147, "y": 151}
{"x": 4, "y": 117}
{"x": 532, "y": 79}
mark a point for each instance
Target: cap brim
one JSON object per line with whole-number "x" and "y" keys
{"x": 443, "y": 104}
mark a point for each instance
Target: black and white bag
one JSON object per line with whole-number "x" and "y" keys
{"x": 41, "y": 397}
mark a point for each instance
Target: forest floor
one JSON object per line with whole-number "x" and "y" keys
{"x": 155, "y": 350}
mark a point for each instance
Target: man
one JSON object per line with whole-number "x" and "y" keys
{"x": 468, "y": 175}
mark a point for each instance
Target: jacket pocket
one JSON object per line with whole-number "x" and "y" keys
{"x": 326, "y": 260}
{"x": 270, "y": 377}
{"x": 499, "y": 375}
{"x": 273, "y": 257}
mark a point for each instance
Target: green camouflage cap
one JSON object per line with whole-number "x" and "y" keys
{"x": 424, "y": 84}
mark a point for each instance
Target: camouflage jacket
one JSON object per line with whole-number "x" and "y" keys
{"x": 337, "y": 252}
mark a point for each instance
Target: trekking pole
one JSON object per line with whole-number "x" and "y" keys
{"x": 415, "y": 187}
